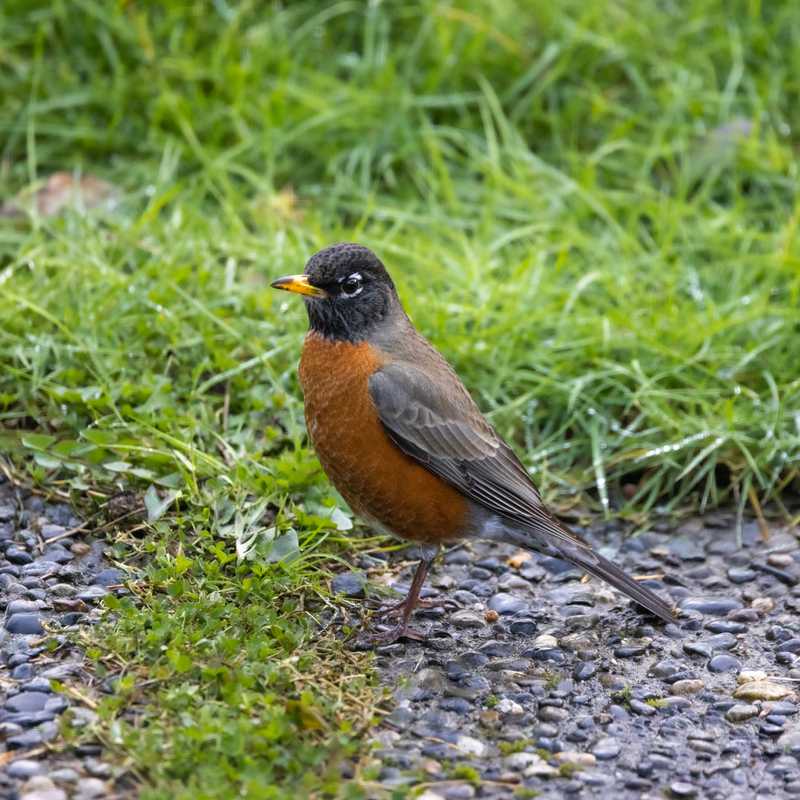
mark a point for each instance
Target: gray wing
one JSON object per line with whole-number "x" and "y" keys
{"x": 440, "y": 427}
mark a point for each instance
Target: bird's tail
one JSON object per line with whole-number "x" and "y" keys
{"x": 555, "y": 539}
{"x": 601, "y": 567}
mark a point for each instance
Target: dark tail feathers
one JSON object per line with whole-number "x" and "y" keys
{"x": 601, "y": 567}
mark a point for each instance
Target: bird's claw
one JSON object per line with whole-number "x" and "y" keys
{"x": 369, "y": 639}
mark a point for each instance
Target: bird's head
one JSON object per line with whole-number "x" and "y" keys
{"x": 346, "y": 289}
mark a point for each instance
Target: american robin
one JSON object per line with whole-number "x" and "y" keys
{"x": 401, "y": 438}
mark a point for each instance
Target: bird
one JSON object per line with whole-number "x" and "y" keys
{"x": 402, "y": 440}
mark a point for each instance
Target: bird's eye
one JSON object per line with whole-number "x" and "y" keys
{"x": 351, "y": 286}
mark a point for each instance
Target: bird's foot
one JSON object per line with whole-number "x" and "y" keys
{"x": 397, "y": 609}
{"x": 369, "y": 639}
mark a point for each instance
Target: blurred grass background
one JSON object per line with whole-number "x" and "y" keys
{"x": 590, "y": 207}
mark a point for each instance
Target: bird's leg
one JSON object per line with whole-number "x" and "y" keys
{"x": 407, "y": 606}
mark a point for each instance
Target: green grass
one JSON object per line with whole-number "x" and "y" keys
{"x": 613, "y": 272}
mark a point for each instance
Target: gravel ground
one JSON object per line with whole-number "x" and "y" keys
{"x": 533, "y": 683}
{"x": 49, "y": 584}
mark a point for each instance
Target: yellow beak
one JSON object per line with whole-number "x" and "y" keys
{"x": 298, "y": 284}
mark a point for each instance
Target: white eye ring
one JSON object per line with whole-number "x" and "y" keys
{"x": 354, "y": 278}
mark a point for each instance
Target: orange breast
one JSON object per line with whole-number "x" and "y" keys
{"x": 376, "y": 478}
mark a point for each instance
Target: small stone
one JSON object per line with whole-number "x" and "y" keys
{"x": 62, "y": 590}
{"x": 762, "y": 690}
{"x": 700, "y": 648}
{"x": 112, "y": 577}
{"x": 723, "y": 663}
{"x": 747, "y": 675}
{"x": 27, "y": 701}
{"x": 64, "y": 775}
{"x": 523, "y": 627}
{"x": 763, "y": 605}
{"x": 349, "y": 584}
{"x": 505, "y": 604}
{"x": 552, "y": 714}
{"x": 631, "y": 650}
{"x": 92, "y": 593}
{"x": 50, "y": 531}
{"x": 466, "y": 619}
{"x": 686, "y": 686}
{"x": 40, "y": 787}
{"x": 741, "y": 712}
{"x": 57, "y": 555}
{"x": 545, "y": 642}
{"x": 725, "y": 626}
{"x": 682, "y": 789}
{"x": 606, "y": 749}
{"x": 789, "y": 646}
{"x": 490, "y": 615}
{"x": 576, "y": 758}
{"x": 643, "y": 709}
{"x": 713, "y": 606}
{"x": 89, "y": 788}
{"x": 24, "y": 741}
{"x": 584, "y": 670}
{"x": 470, "y": 746}
{"x": 741, "y": 575}
{"x": 17, "y": 555}
{"x": 23, "y": 607}
{"x": 508, "y": 706}
{"x": 25, "y": 768}
{"x": 24, "y": 623}
{"x": 520, "y": 761}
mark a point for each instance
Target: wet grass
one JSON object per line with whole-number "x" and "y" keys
{"x": 591, "y": 208}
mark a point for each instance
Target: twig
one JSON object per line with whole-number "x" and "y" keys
{"x": 102, "y": 527}
{"x": 13, "y": 755}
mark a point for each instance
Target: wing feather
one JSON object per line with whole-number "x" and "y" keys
{"x": 439, "y": 425}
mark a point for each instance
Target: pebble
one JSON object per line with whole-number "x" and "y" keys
{"x": 64, "y": 775}
{"x": 763, "y": 605}
{"x": 762, "y": 690}
{"x": 741, "y": 575}
{"x": 18, "y": 556}
{"x": 24, "y": 623}
{"x": 350, "y": 584}
{"x": 504, "y": 604}
{"x": 687, "y": 686}
{"x": 40, "y": 787}
{"x": 87, "y": 788}
{"x": 585, "y": 670}
{"x": 723, "y": 663}
{"x": 27, "y": 701}
{"x": 112, "y": 577}
{"x": 25, "y": 768}
{"x": 466, "y": 619}
{"x": 606, "y": 749}
{"x": 50, "y": 531}
{"x": 682, "y": 789}
{"x": 715, "y": 606}
{"x": 643, "y": 709}
{"x": 741, "y": 712}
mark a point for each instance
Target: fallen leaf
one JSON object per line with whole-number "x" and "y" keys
{"x": 62, "y": 190}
